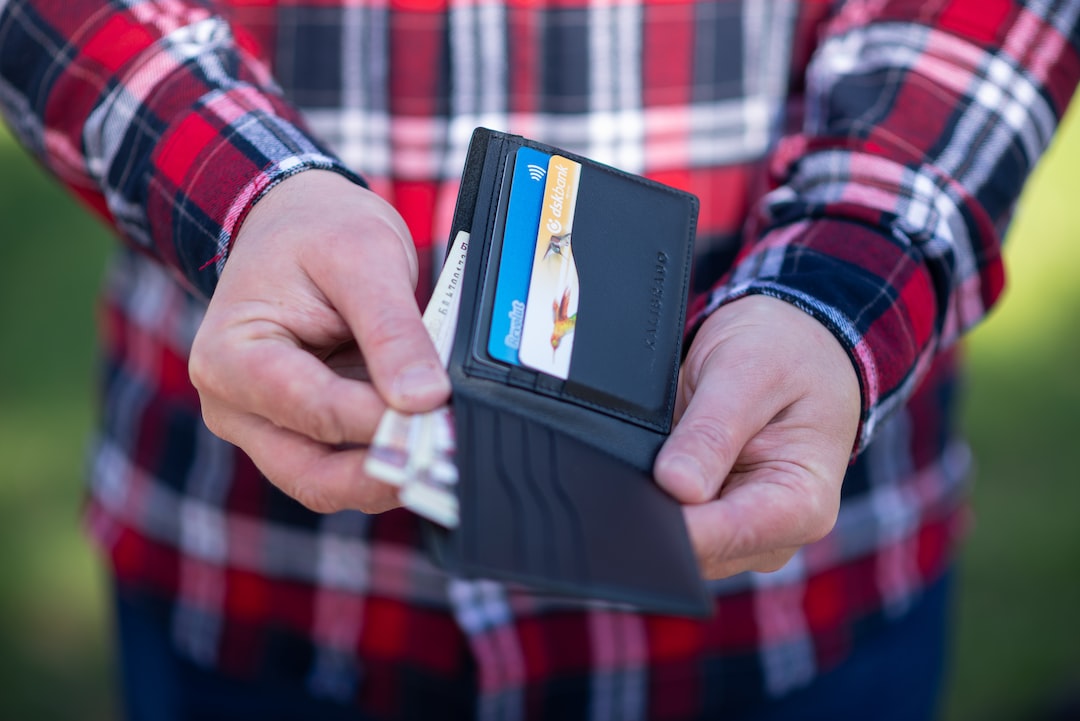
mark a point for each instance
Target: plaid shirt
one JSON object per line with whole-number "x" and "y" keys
{"x": 859, "y": 159}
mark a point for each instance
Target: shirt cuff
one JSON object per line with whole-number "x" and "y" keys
{"x": 868, "y": 288}
{"x": 212, "y": 164}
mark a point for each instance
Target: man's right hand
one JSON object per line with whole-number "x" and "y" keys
{"x": 318, "y": 264}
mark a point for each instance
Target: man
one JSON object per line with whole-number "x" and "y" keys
{"x": 856, "y": 163}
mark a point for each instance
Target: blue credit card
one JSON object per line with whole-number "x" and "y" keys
{"x": 516, "y": 258}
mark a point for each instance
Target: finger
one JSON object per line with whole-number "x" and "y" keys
{"x": 759, "y": 520}
{"x": 728, "y": 406}
{"x": 768, "y": 562}
{"x": 321, "y": 478}
{"x": 385, "y": 319}
{"x": 401, "y": 358}
{"x": 272, "y": 378}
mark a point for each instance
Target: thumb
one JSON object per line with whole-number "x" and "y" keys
{"x": 382, "y": 311}
{"x": 729, "y": 403}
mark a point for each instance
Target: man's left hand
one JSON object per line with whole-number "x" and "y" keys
{"x": 769, "y": 406}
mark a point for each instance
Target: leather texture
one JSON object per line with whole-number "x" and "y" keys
{"x": 555, "y": 488}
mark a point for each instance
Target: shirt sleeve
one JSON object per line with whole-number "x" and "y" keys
{"x": 923, "y": 121}
{"x": 159, "y": 115}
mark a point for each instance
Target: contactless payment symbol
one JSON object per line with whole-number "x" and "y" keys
{"x": 536, "y": 172}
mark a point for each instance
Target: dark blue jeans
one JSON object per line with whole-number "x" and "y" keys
{"x": 158, "y": 684}
{"x": 897, "y": 676}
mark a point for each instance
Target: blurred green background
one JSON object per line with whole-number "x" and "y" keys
{"x": 1018, "y": 639}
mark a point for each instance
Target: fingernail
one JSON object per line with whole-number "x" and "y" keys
{"x": 685, "y": 474}
{"x": 420, "y": 380}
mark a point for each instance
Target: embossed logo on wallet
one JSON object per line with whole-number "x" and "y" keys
{"x": 656, "y": 300}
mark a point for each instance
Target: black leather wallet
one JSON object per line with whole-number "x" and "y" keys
{"x": 555, "y": 482}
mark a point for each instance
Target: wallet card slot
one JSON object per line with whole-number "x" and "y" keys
{"x": 497, "y": 205}
{"x": 566, "y": 535}
{"x": 518, "y": 504}
{"x": 476, "y": 462}
{"x": 632, "y": 242}
{"x": 539, "y": 506}
{"x": 578, "y": 561}
{"x": 555, "y": 481}
{"x": 525, "y": 522}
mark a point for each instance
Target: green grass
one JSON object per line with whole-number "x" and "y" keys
{"x": 1018, "y": 630}
{"x": 1018, "y": 638}
{"x": 53, "y": 619}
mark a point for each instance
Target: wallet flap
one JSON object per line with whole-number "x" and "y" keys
{"x": 633, "y": 258}
{"x": 555, "y": 484}
{"x": 632, "y": 247}
{"x": 540, "y": 507}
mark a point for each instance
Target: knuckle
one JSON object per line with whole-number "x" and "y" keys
{"x": 320, "y": 423}
{"x": 214, "y": 422}
{"x": 313, "y": 497}
{"x": 713, "y": 567}
{"x": 200, "y": 369}
{"x": 718, "y": 557}
{"x": 329, "y": 489}
{"x": 292, "y": 402}
{"x": 743, "y": 541}
{"x": 387, "y": 329}
{"x": 220, "y": 421}
{"x": 771, "y": 563}
{"x": 822, "y": 526}
{"x": 712, "y": 435}
{"x": 718, "y": 568}
{"x": 820, "y": 515}
{"x": 375, "y": 506}
{"x": 376, "y": 497}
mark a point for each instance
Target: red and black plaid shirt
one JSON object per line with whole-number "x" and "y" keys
{"x": 859, "y": 159}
